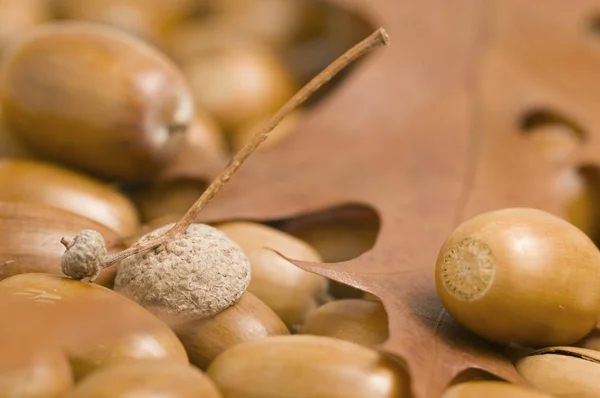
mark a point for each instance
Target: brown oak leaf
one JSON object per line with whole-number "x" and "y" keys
{"x": 428, "y": 132}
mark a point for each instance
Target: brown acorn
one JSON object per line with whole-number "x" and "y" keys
{"x": 151, "y": 20}
{"x": 95, "y": 326}
{"x": 276, "y": 22}
{"x": 33, "y": 370}
{"x": 306, "y": 366}
{"x": 30, "y": 237}
{"x": 44, "y": 183}
{"x": 94, "y": 98}
{"x": 248, "y": 319}
{"x": 236, "y": 84}
{"x": 18, "y": 16}
{"x": 288, "y": 290}
{"x": 146, "y": 378}
{"x": 360, "y": 321}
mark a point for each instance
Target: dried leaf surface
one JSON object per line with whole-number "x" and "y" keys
{"x": 427, "y": 132}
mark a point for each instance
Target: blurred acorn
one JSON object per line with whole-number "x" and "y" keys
{"x": 94, "y": 98}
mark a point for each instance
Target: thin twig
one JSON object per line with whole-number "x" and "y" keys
{"x": 378, "y": 38}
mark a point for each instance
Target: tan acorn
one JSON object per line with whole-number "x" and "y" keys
{"x": 46, "y": 184}
{"x": 94, "y": 98}
{"x": 219, "y": 78}
{"x": 248, "y": 319}
{"x": 289, "y": 291}
{"x": 146, "y": 378}
{"x": 360, "y": 321}
{"x": 33, "y": 370}
{"x": 92, "y": 324}
{"x": 563, "y": 371}
{"x": 491, "y": 389}
{"x": 306, "y": 366}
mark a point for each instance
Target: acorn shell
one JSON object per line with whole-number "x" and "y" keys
{"x": 306, "y": 366}
{"x": 94, "y": 98}
{"x": 563, "y": 371}
{"x": 44, "y": 183}
{"x": 92, "y": 324}
{"x": 248, "y": 319}
{"x": 520, "y": 276}
{"x": 146, "y": 378}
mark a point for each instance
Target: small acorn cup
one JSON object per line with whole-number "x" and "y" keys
{"x": 563, "y": 371}
{"x": 188, "y": 270}
{"x": 91, "y": 97}
{"x": 521, "y": 276}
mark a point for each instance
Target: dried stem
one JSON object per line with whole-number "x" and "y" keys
{"x": 378, "y": 38}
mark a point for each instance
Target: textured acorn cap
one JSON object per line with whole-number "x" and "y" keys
{"x": 196, "y": 275}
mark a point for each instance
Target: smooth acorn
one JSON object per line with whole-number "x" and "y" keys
{"x": 10, "y": 147}
{"x": 151, "y": 20}
{"x": 491, "y": 389}
{"x": 219, "y": 79}
{"x": 360, "y": 321}
{"x": 248, "y": 319}
{"x": 278, "y": 23}
{"x": 19, "y": 16}
{"x": 30, "y": 236}
{"x": 33, "y": 371}
{"x": 563, "y": 371}
{"x": 32, "y": 181}
{"x": 520, "y": 276}
{"x": 94, "y": 98}
{"x": 288, "y": 290}
{"x": 306, "y": 366}
{"x": 92, "y": 324}
{"x": 146, "y": 378}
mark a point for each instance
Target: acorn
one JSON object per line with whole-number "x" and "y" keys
{"x": 220, "y": 76}
{"x": 92, "y": 324}
{"x": 276, "y": 22}
{"x": 563, "y": 371}
{"x": 151, "y": 20}
{"x": 33, "y": 370}
{"x": 30, "y": 236}
{"x": 10, "y": 147}
{"x": 94, "y": 98}
{"x": 520, "y": 276}
{"x": 360, "y": 321}
{"x": 306, "y": 366}
{"x": 289, "y": 291}
{"x": 17, "y": 17}
{"x": 146, "y": 378}
{"x": 491, "y": 389}
{"x": 46, "y": 184}
{"x": 248, "y": 319}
